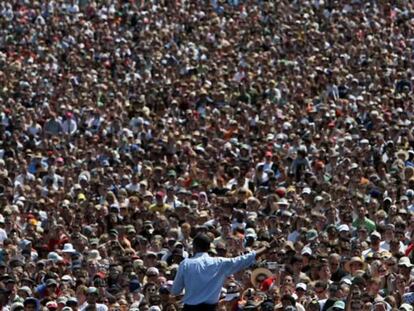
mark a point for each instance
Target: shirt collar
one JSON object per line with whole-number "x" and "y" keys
{"x": 201, "y": 254}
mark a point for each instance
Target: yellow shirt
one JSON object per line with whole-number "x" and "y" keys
{"x": 159, "y": 208}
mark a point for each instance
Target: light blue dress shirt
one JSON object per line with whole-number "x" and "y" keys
{"x": 203, "y": 276}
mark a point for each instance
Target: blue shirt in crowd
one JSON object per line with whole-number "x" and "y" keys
{"x": 203, "y": 276}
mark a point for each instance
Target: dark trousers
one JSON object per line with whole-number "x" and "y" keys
{"x": 200, "y": 307}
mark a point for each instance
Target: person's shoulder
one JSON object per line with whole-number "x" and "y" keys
{"x": 366, "y": 252}
{"x": 369, "y": 222}
{"x": 408, "y": 297}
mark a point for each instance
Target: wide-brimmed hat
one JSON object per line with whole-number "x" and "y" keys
{"x": 54, "y": 257}
{"x": 260, "y": 272}
{"x": 353, "y": 260}
{"x": 68, "y": 248}
{"x": 402, "y": 154}
{"x": 94, "y": 255}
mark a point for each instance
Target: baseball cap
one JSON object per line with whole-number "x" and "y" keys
{"x": 311, "y": 235}
{"x": 306, "y": 190}
{"x": 338, "y": 305}
{"x": 51, "y": 282}
{"x": 153, "y": 271}
{"x": 376, "y": 234}
{"x": 301, "y": 286}
{"x": 72, "y": 300}
{"x": 113, "y": 232}
{"x": 51, "y": 305}
{"x": 92, "y": 290}
{"x": 306, "y": 250}
{"x": 343, "y": 228}
{"x": 160, "y": 194}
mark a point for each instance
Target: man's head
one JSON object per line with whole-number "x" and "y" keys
{"x": 201, "y": 243}
{"x": 92, "y": 295}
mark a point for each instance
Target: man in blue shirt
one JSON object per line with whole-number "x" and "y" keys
{"x": 203, "y": 276}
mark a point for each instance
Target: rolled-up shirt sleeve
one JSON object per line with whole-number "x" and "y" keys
{"x": 234, "y": 265}
{"x": 178, "y": 284}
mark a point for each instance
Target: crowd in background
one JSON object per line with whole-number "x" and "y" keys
{"x": 127, "y": 127}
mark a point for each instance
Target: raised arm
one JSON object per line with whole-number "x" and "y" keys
{"x": 234, "y": 265}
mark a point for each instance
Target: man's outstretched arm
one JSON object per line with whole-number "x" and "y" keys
{"x": 234, "y": 265}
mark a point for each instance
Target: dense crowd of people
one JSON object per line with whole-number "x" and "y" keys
{"x": 128, "y": 127}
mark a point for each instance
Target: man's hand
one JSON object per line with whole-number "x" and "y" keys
{"x": 280, "y": 240}
{"x": 273, "y": 244}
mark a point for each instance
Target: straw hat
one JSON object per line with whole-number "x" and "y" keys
{"x": 259, "y": 275}
{"x": 353, "y": 260}
{"x": 402, "y": 154}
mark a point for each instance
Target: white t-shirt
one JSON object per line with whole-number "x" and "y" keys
{"x": 3, "y": 235}
{"x": 99, "y": 307}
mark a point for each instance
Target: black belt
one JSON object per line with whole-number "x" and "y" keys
{"x": 200, "y": 307}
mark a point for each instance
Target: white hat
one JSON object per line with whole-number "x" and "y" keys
{"x": 318, "y": 198}
{"x": 306, "y": 190}
{"x": 26, "y": 289}
{"x": 282, "y": 201}
{"x": 339, "y": 304}
{"x": 94, "y": 255}
{"x": 376, "y": 234}
{"x": 387, "y": 199}
{"x": 68, "y": 248}
{"x": 287, "y": 213}
{"x": 405, "y": 261}
{"x": 67, "y": 278}
{"x": 346, "y": 280}
{"x": 250, "y": 232}
{"x": 301, "y": 286}
{"x": 406, "y": 307}
{"x": 16, "y": 305}
{"x": 306, "y": 250}
{"x": 54, "y": 257}
{"x": 354, "y": 166}
{"x": 153, "y": 270}
{"x": 251, "y": 215}
{"x": 343, "y": 228}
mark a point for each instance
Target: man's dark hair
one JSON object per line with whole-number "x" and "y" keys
{"x": 201, "y": 243}
{"x": 321, "y": 284}
{"x": 289, "y": 298}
